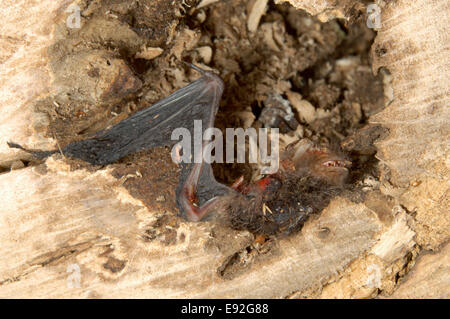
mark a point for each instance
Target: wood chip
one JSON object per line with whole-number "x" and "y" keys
{"x": 205, "y": 53}
{"x": 305, "y": 110}
{"x": 256, "y": 12}
{"x": 205, "y": 3}
{"x": 149, "y": 53}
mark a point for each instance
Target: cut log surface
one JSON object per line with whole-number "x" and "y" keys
{"x": 61, "y": 218}
{"x": 81, "y": 234}
{"x": 430, "y": 277}
{"x": 26, "y": 33}
{"x": 413, "y": 45}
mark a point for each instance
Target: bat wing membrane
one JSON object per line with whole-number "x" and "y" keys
{"x": 153, "y": 126}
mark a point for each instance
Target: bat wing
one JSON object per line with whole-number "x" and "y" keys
{"x": 153, "y": 126}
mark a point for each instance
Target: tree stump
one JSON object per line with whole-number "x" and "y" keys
{"x": 80, "y": 233}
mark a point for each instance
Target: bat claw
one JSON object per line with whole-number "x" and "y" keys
{"x": 15, "y": 145}
{"x": 203, "y": 72}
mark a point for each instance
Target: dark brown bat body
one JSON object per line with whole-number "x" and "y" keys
{"x": 279, "y": 203}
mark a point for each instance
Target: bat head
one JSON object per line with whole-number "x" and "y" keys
{"x": 306, "y": 158}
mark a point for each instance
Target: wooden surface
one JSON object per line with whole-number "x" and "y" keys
{"x": 52, "y": 218}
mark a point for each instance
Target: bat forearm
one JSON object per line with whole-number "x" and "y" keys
{"x": 188, "y": 198}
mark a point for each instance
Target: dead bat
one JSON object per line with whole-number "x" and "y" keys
{"x": 279, "y": 203}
